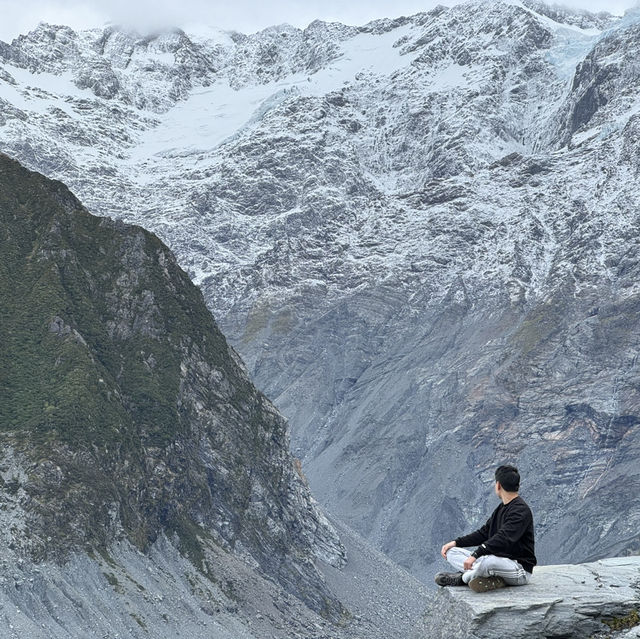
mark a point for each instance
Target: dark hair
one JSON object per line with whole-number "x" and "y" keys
{"x": 509, "y": 478}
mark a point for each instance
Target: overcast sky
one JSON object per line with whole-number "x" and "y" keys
{"x": 18, "y": 16}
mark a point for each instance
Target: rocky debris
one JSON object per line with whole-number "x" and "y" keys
{"x": 121, "y": 592}
{"x": 568, "y": 601}
{"x": 383, "y": 599}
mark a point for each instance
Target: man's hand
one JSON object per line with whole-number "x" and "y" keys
{"x": 446, "y": 547}
{"x": 468, "y": 562}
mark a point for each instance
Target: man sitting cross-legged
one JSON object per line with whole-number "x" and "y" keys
{"x": 505, "y": 554}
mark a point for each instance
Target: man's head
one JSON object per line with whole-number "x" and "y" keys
{"x": 508, "y": 478}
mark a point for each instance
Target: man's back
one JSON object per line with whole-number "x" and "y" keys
{"x": 507, "y": 533}
{"x": 506, "y": 549}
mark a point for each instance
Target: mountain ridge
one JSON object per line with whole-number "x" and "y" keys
{"x": 421, "y": 250}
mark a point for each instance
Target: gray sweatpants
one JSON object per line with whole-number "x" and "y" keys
{"x": 488, "y": 566}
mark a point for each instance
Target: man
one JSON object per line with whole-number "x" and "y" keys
{"x": 505, "y": 554}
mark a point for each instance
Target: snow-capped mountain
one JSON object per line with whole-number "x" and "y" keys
{"x": 420, "y": 234}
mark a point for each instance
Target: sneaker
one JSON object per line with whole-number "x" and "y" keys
{"x": 449, "y": 579}
{"x": 484, "y": 584}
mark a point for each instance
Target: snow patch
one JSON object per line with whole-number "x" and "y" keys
{"x": 220, "y": 113}
{"x": 39, "y": 92}
{"x": 455, "y": 76}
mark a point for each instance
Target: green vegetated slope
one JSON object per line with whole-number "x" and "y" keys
{"x": 122, "y": 404}
{"x": 94, "y": 320}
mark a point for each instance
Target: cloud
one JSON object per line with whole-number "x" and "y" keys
{"x": 241, "y": 15}
{"x": 617, "y": 7}
{"x": 148, "y": 15}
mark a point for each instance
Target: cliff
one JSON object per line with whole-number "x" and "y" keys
{"x": 125, "y": 416}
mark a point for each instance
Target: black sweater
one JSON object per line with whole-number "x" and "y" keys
{"x": 507, "y": 533}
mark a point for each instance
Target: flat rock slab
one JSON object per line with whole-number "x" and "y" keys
{"x": 561, "y": 601}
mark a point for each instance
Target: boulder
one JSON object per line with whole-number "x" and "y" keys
{"x": 568, "y": 601}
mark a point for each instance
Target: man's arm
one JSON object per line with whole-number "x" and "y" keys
{"x": 446, "y": 548}
{"x": 475, "y": 538}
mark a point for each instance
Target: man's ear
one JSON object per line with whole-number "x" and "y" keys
{"x": 498, "y": 485}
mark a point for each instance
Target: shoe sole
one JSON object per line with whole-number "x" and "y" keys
{"x": 484, "y": 584}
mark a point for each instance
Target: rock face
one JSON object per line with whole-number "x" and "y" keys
{"x": 569, "y": 601}
{"x": 124, "y": 413}
{"x": 420, "y": 234}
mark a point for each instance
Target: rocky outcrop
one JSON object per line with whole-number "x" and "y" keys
{"x": 565, "y": 601}
{"x": 125, "y": 415}
{"x": 600, "y": 80}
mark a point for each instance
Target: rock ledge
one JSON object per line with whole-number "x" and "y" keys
{"x": 569, "y": 601}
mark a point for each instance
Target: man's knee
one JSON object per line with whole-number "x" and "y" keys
{"x": 489, "y": 562}
{"x": 456, "y": 557}
{"x": 509, "y": 569}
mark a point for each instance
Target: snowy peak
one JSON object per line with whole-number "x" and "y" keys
{"x": 48, "y": 48}
{"x": 155, "y": 72}
{"x": 473, "y": 31}
{"x": 503, "y": 67}
{"x": 150, "y": 73}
